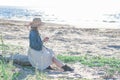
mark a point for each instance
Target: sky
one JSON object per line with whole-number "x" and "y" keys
{"x": 63, "y": 3}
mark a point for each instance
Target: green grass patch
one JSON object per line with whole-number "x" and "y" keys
{"x": 8, "y": 71}
{"x": 93, "y": 61}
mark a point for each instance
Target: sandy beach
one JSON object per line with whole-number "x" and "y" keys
{"x": 66, "y": 39}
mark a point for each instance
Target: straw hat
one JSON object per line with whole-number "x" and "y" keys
{"x": 36, "y": 22}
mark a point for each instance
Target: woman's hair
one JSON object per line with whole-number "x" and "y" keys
{"x": 36, "y": 22}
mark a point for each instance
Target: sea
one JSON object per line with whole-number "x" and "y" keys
{"x": 78, "y": 18}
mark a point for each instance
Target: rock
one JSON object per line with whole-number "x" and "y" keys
{"x": 17, "y": 59}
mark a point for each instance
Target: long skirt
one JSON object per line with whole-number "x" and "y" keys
{"x": 40, "y": 59}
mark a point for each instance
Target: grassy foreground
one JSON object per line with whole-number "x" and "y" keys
{"x": 9, "y": 72}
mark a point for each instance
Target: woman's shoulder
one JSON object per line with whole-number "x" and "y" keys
{"x": 33, "y": 32}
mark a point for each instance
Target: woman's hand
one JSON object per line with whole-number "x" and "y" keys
{"x": 45, "y": 39}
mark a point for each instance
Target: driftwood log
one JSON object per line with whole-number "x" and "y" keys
{"x": 17, "y": 59}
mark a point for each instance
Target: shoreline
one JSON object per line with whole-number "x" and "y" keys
{"x": 84, "y": 25}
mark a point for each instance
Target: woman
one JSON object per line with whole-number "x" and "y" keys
{"x": 39, "y": 56}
